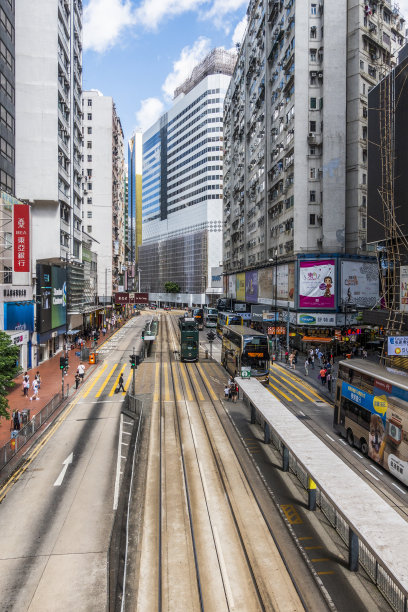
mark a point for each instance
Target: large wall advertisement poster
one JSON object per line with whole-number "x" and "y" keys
{"x": 251, "y": 286}
{"x": 240, "y": 286}
{"x": 19, "y": 315}
{"x": 232, "y": 286}
{"x": 404, "y": 288}
{"x": 44, "y": 296}
{"x": 317, "y": 283}
{"x": 359, "y": 283}
{"x": 265, "y": 294}
{"x": 282, "y": 282}
{"x": 59, "y": 297}
{"x": 291, "y": 281}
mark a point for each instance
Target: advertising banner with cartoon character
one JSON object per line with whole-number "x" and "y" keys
{"x": 317, "y": 283}
{"x": 251, "y": 286}
{"x": 359, "y": 283}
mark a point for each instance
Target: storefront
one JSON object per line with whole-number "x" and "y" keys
{"x": 22, "y": 340}
{"x": 51, "y": 311}
{"x": 19, "y": 322}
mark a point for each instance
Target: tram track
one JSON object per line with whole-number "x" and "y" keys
{"x": 260, "y": 582}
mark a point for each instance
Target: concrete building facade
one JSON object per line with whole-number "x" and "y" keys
{"x": 182, "y": 186}
{"x": 7, "y": 96}
{"x": 103, "y": 189}
{"x": 295, "y": 122}
{"x": 134, "y": 206}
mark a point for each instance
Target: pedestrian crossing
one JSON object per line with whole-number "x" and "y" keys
{"x": 286, "y": 386}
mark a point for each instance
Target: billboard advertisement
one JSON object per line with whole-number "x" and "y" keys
{"x": 251, "y": 286}
{"x": 19, "y": 316}
{"x": 397, "y": 346}
{"x": 317, "y": 283}
{"x": 359, "y": 283}
{"x": 216, "y": 277}
{"x": 404, "y": 288}
{"x": 265, "y": 276}
{"x": 232, "y": 286}
{"x": 58, "y": 297}
{"x": 312, "y": 318}
{"x": 240, "y": 286}
{"x": 44, "y": 298}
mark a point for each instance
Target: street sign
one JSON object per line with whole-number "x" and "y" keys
{"x": 245, "y": 373}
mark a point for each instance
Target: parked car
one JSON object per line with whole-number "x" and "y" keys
{"x": 153, "y": 307}
{"x": 167, "y": 308}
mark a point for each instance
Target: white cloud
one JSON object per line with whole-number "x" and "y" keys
{"x": 104, "y": 22}
{"x": 239, "y": 31}
{"x": 151, "y": 12}
{"x": 189, "y": 58}
{"x": 220, "y": 9}
{"x": 148, "y": 113}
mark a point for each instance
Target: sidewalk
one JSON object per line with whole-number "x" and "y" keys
{"x": 51, "y": 384}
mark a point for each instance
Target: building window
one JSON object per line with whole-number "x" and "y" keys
{"x": 312, "y": 173}
{"x": 313, "y": 55}
{"x": 364, "y": 132}
{"x": 364, "y": 89}
{"x": 365, "y": 113}
{"x": 6, "y": 23}
{"x": 313, "y": 9}
{"x": 313, "y": 32}
{"x": 89, "y": 214}
{"x": 89, "y": 158}
{"x": 361, "y": 65}
{"x": 89, "y": 229}
{"x": 364, "y": 156}
{"x": 89, "y": 102}
{"x": 363, "y": 222}
{"x": 364, "y": 200}
{"x": 6, "y": 119}
{"x": 6, "y": 150}
{"x": 89, "y": 144}
{"x": 89, "y": 116}
{"x": 89, "y": 129}
{"x": 313, "y": 103}
{"x": 89, "y": 186}
{"x": 89, "y": 200}
{"x": 312, "y": 126}
{"x": 89, "y": 171}
{"x": 6, "y": 55}
{"x": 364, "y": 179}
{"x": 312, "y": 150}
{"x": 312, "y": 219}
{"x": 312, "y": 196}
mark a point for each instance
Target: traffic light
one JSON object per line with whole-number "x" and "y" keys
{"x": 66, "y": 362}
{"x": 143, "y": 335}
{"x": 211, "y": 336}
{"x": 62, "y": 363}
{"x": 133, "y": 361}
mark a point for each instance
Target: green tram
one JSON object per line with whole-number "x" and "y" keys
{"x": 189, "y": 343}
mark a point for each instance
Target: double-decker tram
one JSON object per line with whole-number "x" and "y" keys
{"x": 371, "y": 411}
{"x": 227, "y": 318}
{"x": 245, "y": 348}
{"x": 189, "y": 343}
{"x": 210, "y": 317}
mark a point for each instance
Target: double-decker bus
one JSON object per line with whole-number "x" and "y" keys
{"x": 245, "y": 348}
{"x": 198, "y": 315}
{"x": 227, "y": 318}
{"x": 371, "y": 412}
{"x": 210, "y": 317}
{"x": 189, "y": 343}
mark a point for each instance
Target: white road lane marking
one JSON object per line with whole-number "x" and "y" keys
{"x": 372, "y": 475}
{"x": 399, "y": 489}
{"x": 126, "y": 433}
{"x": 343, "y": 442}
{"x": 116, "y": 491}
{"x": 65, "y": 463}
{"x": 376, "y": 469}
{"x": 301, "y": 413}
{"x": 330, "y": 438}
{"x": 358, "y": 454}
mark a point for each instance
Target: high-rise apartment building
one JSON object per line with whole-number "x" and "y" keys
{"x": 134, "y": 201}
{"x": 182, "y": 185}
{"x": 103, "y": 182}
{"x": 7, "y": 97}
{"x": 295, "y": 122}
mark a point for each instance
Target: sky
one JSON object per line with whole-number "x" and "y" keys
{"x": 139, "y": 51}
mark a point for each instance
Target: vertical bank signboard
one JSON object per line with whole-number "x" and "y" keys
{"x": 21, "y": 244}
{"x": 359, "y": 283}
{"x": 317, "y": 283}
{"x": 251, "y": 286}
{"x": 59, "y": 297}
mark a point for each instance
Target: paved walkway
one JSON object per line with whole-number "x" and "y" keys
{"x": 51, "y": 384}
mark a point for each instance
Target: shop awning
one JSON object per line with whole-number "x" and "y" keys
{"x": 316, "y": 339}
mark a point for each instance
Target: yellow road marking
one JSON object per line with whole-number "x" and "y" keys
{"x": 276, "y": 379}
{"x": 291, "y": 514}
{"x": 306, "y": 538}
{"x": 127, "y": 382}
{"x": 112, "y": 391}
{"x": 166, "y": 383}
{"x": 281, "y": 392}
{"x": 313, "y": 547}
{"x": 210, "y": 389}
{"x": 324, "y": 573}
{"x": 195, "y": 382}
{"x": 186, "y": 383}
{"x": 176, "y": 382}
{"x": 319, "y": 560}
{"x": 105, "y": 365}
{"x": 156, "y": 383}
{"x": 285, "y": 373}
{"x": 106, "y": 381}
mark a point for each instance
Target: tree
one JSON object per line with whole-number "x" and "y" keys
{"x": 172, "y": 287}
{"x": 9, "y": 354}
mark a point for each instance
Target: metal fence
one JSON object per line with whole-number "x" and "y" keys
{"x": 22, "y": 436}
{"x": 134, "y": 404}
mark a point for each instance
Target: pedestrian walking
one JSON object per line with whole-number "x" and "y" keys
{"x": 226, "y": 392}
{"x": 81, "y": 371}
{"x": 306, "y": 367}
{"x": 26, "y": 384}
{"x": 295, "y": 353}
{"x": 323, "y": 376}
{"x": 364, "y": 354}
{"x": 234, "y": 392}
{"x": 290, "y": 360}
{"x": 77, "y": 379}
{"x": 34, "y": 387}
{"x": 286, "y": 356}
{"x": 120, "y": 383}
{"x": 38, "y": 379}
{"x": 312, "y": 358}
{"x": 16, "y": 420}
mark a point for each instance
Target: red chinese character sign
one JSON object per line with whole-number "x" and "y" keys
{"x": 21, "y": 243}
